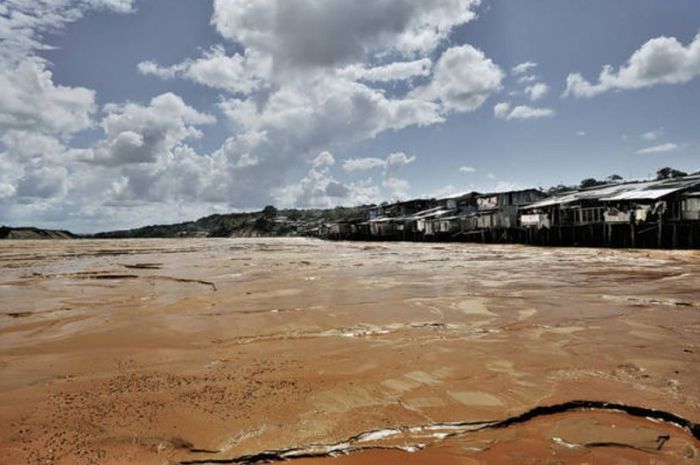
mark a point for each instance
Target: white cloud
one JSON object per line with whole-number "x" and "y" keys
{"x": 397, "y": 159}
{"x": 239, "y": 73}
{"x": 527, "y": 79}
{"x": 537, "y": 91}
{"x": 317, "y": 90}
{"x": 661, "y": 148}
{"x": 296, "y": 89}
{"x": 397, "y": 71}
{"x": 466, "y": 169}
{"x": 463, "y": 79}
{"x": 27, "y": 145}
{"x": 30, "y": 101}
{"x": 653, "y": 135}
{"x": 394, "y": 185}
{"x": 523, "y": 68}
{"x": 43, "y": 182}
{"x": 24, "y": 22}
{"x": 362, "y": 164}
{"x": 319, "y": 189}
{"x": 505, "y": 186}
{"x": 503, "y": 111}
{"x": 581, "y": 133}
{"x": 397, "y": 187}
{"x": 662, "y": 60}
{"x": 526, "y": 112}
{"x": 310, "y": 33}
{"x": 301, "y": 119}
{"x": 141, "y": 134}
{"x": 324, "y": 158}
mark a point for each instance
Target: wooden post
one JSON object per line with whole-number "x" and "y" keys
{"x": 675, "y": 236}
{"x": 606, "y": 234}
{"x": 660, "y": 235}
{"x": 632, "y": 236}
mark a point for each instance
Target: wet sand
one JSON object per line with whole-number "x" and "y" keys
{"x": 240, "y": 350}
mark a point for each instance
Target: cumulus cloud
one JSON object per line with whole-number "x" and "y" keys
{"x": 30, "y": 101}
{"x": 323, "y": 159}
{"x": 43, "y": 182}
{"x": 653, "y": 135}
{"x": 320, "y": 189}
{"x": 299, "y": 120}
{"x": 397, "y": 71}
{"x": 466, "y": 169}
{"x": 311, "y": 33}
{"x": 527, "y": 79}
{"x": 292, "y": 92}
{"x": 394, "y": 185}
{"x": 537, "y": 91}
{"x": 503, "y": 111}
{"x": 239, "y": 73}
{"x": 140, "y": 134}
{"x": 391, "y": 163}
{"x": 523, "y": 68}
{"x": 362, "y": 164}
{"x": 463, "y": 79}
{"x": 661, "y": 148}
{"x": 397, "y": 187}
{"x": 527, "y": 112}
{"x": 316, "y": 88}
{"x": 662, "y": 60}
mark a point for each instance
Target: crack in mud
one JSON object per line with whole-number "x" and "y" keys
{"x": 441, "y": 431}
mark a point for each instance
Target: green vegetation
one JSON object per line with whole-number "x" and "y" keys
{"x": 268, "y": 222}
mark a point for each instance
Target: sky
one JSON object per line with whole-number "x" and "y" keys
{"x": 123, "y": 113}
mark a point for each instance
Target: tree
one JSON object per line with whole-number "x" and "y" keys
{"x": 269, "y": 212}
{"x": 558, "y": 189}
{"x": 613, "y": 178}
{"x": 591, "y": 182}
{"x": 668, "y": 173}
{"x": 293, "y": 215}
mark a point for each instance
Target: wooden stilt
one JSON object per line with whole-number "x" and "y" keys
{"x": 675, "y": 236}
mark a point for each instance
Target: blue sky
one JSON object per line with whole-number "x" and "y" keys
{"x": 120, "y": 113}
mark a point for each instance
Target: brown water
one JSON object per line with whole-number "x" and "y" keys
{"x": 169, "y": 351}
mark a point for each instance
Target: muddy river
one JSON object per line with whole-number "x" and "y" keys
{"x": 245, "y": 351}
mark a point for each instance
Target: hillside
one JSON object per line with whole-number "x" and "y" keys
{"x": 7, "y": 232}
{"x": 266, "y": 223}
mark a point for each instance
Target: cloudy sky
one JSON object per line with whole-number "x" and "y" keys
{"x": 121, "y": 113}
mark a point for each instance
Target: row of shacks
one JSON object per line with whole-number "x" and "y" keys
{"x": 661, "y": 213}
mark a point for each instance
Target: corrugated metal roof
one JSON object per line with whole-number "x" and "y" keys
{"x": 432, "y": 212}
{"x": 637, "y": 190}
{"x": 645, "y": 194}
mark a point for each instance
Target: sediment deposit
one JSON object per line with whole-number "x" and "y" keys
{"x": 252, "y": 350}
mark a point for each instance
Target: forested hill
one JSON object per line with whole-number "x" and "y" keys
{"x": 268, "y": 222}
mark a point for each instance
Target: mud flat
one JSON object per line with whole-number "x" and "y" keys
{"x": 253, "y": 351}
